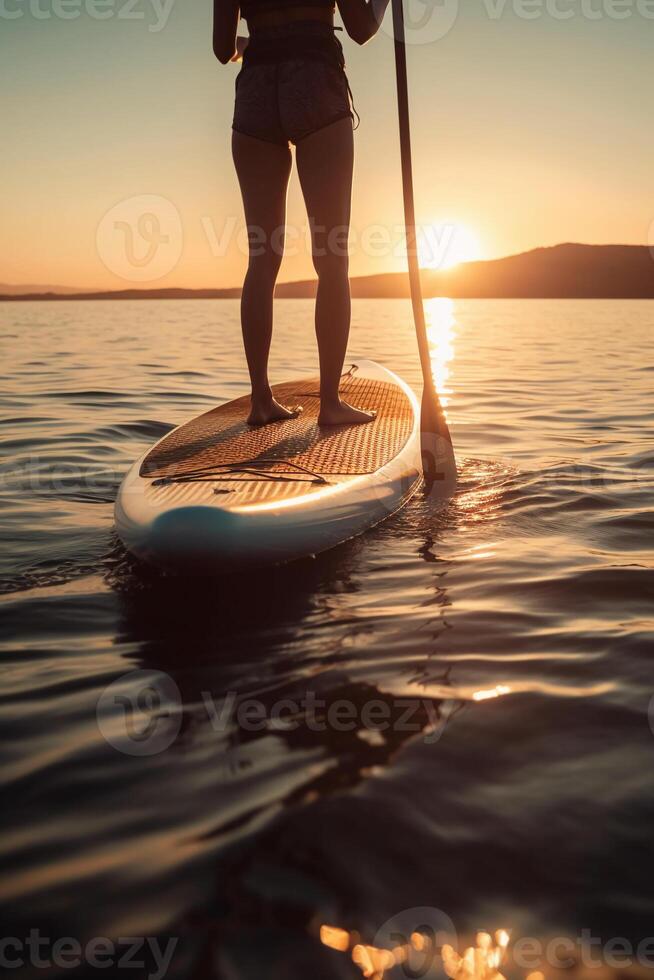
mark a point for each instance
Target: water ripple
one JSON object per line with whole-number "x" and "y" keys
{"x": 515, "y": 622}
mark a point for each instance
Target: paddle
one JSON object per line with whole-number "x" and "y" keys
{"x": 438, "y": 463}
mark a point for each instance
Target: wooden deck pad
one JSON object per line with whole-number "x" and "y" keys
{"x": 222, "y": 436}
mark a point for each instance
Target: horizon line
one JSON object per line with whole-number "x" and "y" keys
{"x": 57, "y": 290}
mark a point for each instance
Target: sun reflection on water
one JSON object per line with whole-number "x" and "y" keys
{"x": 479, "y": 962}
{"x": 441, "y": 328}
{"x": 493, "y": 692}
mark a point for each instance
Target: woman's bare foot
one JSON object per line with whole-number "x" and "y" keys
{"x": 262, "y": 413}
{"x": 340, "y": 413}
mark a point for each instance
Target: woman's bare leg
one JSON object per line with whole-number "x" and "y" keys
{"x": 325, "y": 162}
{"x": 263, "y": 170}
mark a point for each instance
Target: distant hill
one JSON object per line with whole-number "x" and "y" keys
{"x": 561, "y": 272}
{"x": 9, "y": 289}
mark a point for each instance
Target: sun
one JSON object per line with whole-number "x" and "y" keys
{"x": 445, "y": 244}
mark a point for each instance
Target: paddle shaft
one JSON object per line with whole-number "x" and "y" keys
{"x": 409, "y": 206}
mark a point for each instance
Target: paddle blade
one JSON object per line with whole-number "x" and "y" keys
{"x": 438, "y": 462}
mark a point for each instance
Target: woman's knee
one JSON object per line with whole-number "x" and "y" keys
{"x": 330, "y": 249}
{"x": 266, "y": 251}
{"x": 264, "y": 266}
{"x": 331, "y": 266}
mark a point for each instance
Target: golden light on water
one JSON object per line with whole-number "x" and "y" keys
{"x": 479, "y": 962}
{"x": 371, "y": 961}
{"x": 335, "y": 938}
{"x": 441, "y": 325}
{"x": 493, "y": 692}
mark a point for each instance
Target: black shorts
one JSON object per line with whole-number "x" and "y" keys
{"x": 286, "y": 100}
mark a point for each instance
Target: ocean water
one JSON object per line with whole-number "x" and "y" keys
{"x": 504, "y": 640}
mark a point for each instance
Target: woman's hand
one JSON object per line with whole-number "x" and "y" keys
{"x": 362, "y": 18}
{"x": 241, "y": 45}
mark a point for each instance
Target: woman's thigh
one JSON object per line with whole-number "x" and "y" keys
{"x": 263, "y": 170}
{"x": 325, "y": 163}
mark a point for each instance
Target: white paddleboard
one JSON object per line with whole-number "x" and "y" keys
{"x": 216, "y": 494}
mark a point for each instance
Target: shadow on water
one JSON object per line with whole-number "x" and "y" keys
{"x": 282, "y": 638}
{"x": 341, "y": 824}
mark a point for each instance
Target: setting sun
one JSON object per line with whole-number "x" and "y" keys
{"x": 443, "y": 245}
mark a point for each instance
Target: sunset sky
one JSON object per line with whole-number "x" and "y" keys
{"x": 528, "y": 130}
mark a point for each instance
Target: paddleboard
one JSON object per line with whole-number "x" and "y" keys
{"x": 217, "y": 494}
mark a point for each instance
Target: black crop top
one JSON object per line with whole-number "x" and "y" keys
{"x": 249, "y": 7}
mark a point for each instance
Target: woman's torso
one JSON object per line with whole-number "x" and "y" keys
{"x": 269, "y": 13}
